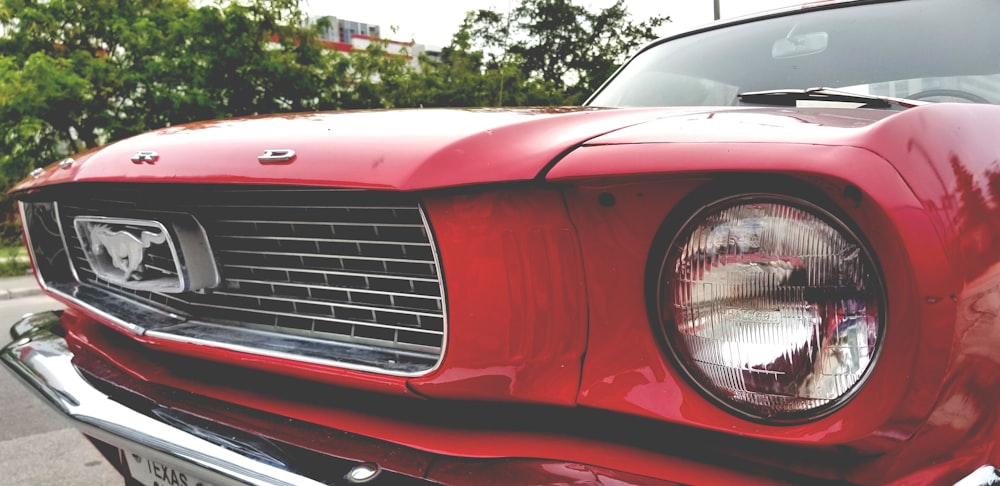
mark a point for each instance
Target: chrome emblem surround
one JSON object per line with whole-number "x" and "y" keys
{"x": 144, "y": 254}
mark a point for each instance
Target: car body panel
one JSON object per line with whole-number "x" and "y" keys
{"x": 431, "y": 148}
{"x": 929, "y": 171}
{"x": 548, "y": 223}
{"x": 605, "y": 355}
{"x": 264, "y": 449}
{"x": 622, "y": 304}
{"x": 427, "y": 148}
{"x": 515, "y": 334}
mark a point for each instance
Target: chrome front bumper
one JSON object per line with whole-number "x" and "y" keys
{"x": 42, "y": 360}
{"x": 219, "y": 454}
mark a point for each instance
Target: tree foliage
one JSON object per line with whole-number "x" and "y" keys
{"x": 75, "y": 74}
{"x": 566, "y": 50}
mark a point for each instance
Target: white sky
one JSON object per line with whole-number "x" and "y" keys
{"x": 433, "y": 22}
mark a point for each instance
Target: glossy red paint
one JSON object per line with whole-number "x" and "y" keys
{"x": 547, "y": 303}
{"x": 815, "y": 126}
{"x": 626, "y": 369}
{"x": 349, "y": 412}
{"x": 951, "y": 161}
{"x": 516, "y": 299}
{"x": 513, "y": 334}
{"x": 537, "y": 472}
{"x": 922, "y": 176}
{"x": 545, "y": 220}
{"x": 947, "y": 153}
{"x": 401, "y": 150}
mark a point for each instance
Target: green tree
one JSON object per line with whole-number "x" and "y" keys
{"x": 457, "y": 79}
{"x": 561, "y": 51}
{"x": 75, "y": 74}
{"x": 375, "y": 78}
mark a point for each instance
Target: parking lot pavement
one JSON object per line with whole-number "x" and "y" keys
{"x": 18, "y": 287}
{"x": 37, "y": 445}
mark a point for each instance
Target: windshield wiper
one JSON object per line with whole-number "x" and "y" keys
{"x": 790, "y": 97}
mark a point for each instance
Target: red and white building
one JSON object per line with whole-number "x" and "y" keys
{"x": 349, "y": 36}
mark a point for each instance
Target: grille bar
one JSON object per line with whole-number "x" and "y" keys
{"x": 409, "y": 312}
{"x": 328, "y": 272}
{"x": 313, "y": 255}
{"x": 327, "y": 319}
{"x": 342, "y": 267}
{"x": 323, "y": 240}
{"x": 265, "y": 221}
{"x": 321, "y": 287}
{"x": 318, "y": 206}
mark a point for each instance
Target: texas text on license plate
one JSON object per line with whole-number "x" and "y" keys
{"x": 152, "y": 473}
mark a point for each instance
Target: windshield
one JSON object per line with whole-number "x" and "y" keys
{"x": 930, "y": 50}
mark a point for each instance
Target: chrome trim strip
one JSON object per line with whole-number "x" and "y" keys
{"x": 301, "y": 358}
{"x": 327, "y": 287}
{"x": 43, "y": 361}
{"x": 324, "y": 223}
{"x": 984, "y": 476}
{"x": 31, "y": 247}
{"x": 327, "y": 319}
{"x": 391, "y": 310}
{"x": 244, "y": 190}
{"x": 323, "y": 240}
{"x": 318, "y": 206}
{"x": 62, "y": 234}
{"x": 182, "y": 320}
{"x": 440, "y": 270}
{"x": 320, "y": 255}
{"x": 155, "y": 314}
{"x": 333, "y": 272}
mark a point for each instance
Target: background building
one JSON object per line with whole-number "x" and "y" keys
{"x": 348, "y": 35}
{"x": 341, "y": 30}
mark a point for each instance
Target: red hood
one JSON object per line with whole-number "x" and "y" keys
{"x": 814, "y": 126}
{"x": 423, "y": 149}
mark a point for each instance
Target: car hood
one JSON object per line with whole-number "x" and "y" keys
{"x": 424, "y": 149}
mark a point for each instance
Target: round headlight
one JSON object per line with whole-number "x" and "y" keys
{"x": 772, "y": 306}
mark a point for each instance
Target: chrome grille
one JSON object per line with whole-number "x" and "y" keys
{"x": 349, "y": 267}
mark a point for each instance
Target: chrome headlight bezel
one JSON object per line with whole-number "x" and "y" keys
{"x": 674, "y": 233}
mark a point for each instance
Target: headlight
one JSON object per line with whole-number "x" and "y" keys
{"x": 772, "y": 306}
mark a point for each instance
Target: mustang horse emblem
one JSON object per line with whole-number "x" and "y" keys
{"x": 125, "y": 249}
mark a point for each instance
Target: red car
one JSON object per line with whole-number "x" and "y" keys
{"x": 765, "y": 251}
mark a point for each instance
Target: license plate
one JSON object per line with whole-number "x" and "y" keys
{"x": 152, "y": 473}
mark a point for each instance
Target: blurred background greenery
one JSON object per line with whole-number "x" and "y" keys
{"x": 77, "y": 74}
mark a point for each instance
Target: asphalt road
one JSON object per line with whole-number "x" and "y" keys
{"x": 37, "y": 445}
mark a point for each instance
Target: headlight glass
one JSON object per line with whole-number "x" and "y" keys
{"x": 772, "y": 305}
